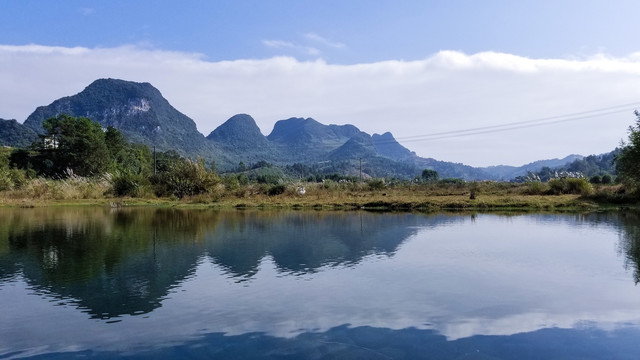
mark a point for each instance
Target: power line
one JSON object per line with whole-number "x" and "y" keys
{"x": 521, "y": 124}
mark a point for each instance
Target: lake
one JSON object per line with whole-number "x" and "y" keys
{"x": 170, "y": 283}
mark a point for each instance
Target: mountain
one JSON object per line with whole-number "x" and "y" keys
{"x": 138, "y": 110}
{"x": 240, "y": 131}
{"x": 358, "y": 146}
{"x": 504, "y": 172}
{"x": 241, "y": 139}
{"x": 386, "y": 145}
{"x": 303, "y": 132}
{"x": 307, "y": 139}
{"x": 144, "y": 116}
{"x": 14, "y": 134}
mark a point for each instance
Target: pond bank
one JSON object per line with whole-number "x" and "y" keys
{"x": 348, "y": 202}
{"x": 425, "y": 198}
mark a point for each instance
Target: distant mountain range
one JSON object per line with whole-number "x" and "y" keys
{"x": 144, "y": 116}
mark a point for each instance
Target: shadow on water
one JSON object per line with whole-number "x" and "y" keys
{"x": 126, "y": 261}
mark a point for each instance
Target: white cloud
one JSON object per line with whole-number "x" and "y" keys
{"x": 447, "y": 91}
{"x": 319, "y": 39}
{"x": 277, "y": 44}
{"x": 305, "y": 49}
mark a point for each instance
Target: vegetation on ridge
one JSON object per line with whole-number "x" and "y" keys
{"x": 77, "y": 159}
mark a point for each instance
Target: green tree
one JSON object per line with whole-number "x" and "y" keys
{"x": 117, "y": 146}
{"x": 73, "y": 143}
{"x": 628, "y": 160}
{"x": 5, "y": 179}
{"x": 429, "y": 175}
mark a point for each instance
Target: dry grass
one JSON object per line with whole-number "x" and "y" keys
{"x": 328, "y": 195}
{"x": 407, "y": 197}
{"x": 40, "y": 190}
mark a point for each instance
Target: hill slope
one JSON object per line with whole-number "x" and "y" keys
{"x": 136, "y": 109}
{"x": 14, "y": 134}
{"x": 386, "y": 145}
{"x": 241, "y": 140}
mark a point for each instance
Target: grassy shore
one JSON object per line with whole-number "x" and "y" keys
{"x": 331, "y": 196}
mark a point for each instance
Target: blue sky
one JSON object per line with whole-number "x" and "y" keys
{"x": 354, "y": 31}
{"x": 409, "y": 67}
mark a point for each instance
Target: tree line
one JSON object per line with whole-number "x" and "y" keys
{"x": 77, "y": 146}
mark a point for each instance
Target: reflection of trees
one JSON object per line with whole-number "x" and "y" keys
{"x": 131, "y": 258}
{"x": 630, "y": 242}
{"x": 125, "y": 261}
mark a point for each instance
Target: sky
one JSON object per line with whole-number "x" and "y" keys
{"x": 476, "y": 82}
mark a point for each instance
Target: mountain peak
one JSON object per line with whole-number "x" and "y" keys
{"x": 358, "y": 146}
{"x": 389, "y": 147}
{"x": 239, "y": 129}
{"x": 300, "y": 131}
{"x": 136, "y": 109}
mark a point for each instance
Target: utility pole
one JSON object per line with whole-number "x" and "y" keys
{"x": 360, "y": 169}
{"x": 155, "y": 159}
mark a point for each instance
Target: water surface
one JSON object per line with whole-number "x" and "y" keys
{"x": 165, "y": 283}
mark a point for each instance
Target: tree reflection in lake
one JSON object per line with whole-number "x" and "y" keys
{"x": 257, "y": 284}
{"x": 134, "y": 257}
{"x": 630, "y": 242}
{"x": 128, "y": 256}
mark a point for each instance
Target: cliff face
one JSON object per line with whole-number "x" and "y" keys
{"x": 136, "y": 109}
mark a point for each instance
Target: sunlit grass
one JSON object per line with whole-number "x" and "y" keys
{"x": 328, "y": 195}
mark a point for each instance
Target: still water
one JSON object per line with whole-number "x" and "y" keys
{"x": 168, "y": 283}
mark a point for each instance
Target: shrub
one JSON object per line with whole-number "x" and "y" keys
{"x": 579, "y": 187}
{"x": 19, "y": 178}
{"x": 231, "y": 182}
{"x": 535, "y": 188}
{"x": 125, "y": 184}
{"x": 5, "y": 181}
{"x": 557, "y": 186}
{"x": 329, "y": 184}
{"x": 268, "y": 178}
{"x": 276, "y": 190}
{"x": 243, "y": 179}
{"x": 474, "y": 190}
{"x": 451, "y": 181}
{"x": 376, "y": 184}
{"x": 570, "y": 186}
{"x": 606, "y": 179}
{"x": 185, "y": 178}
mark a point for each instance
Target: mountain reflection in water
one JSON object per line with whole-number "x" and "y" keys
{"x": 134, "y": 257}
{"x": 161, "y": 283}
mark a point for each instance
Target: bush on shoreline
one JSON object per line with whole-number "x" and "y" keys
{"x": 204, "y": 187}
